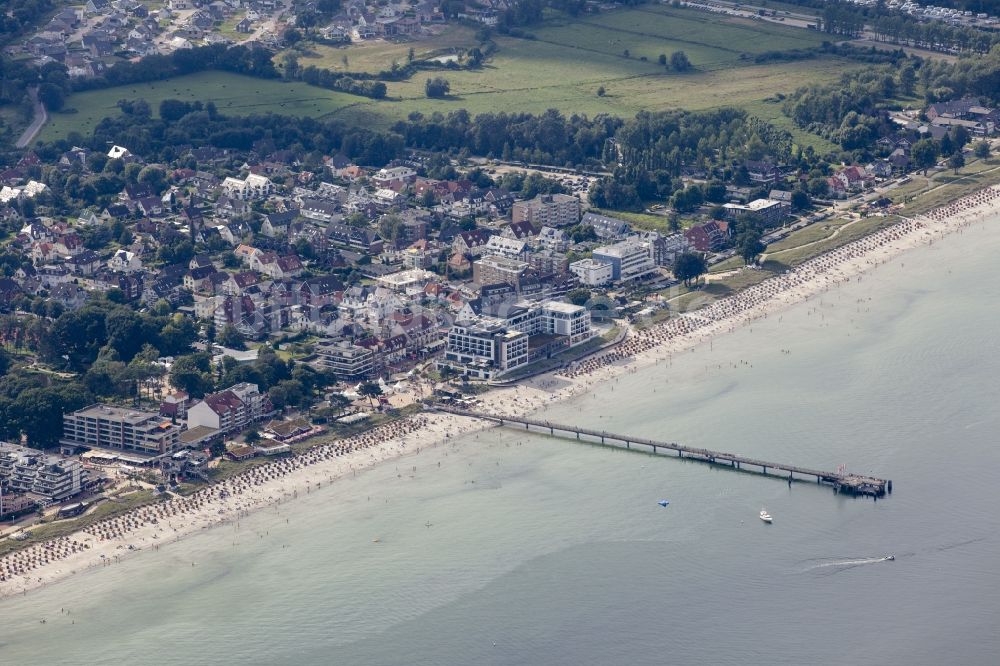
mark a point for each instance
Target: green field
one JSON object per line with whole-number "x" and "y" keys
{"x": 377, "y": 55}
{"x": 233, "y": 94}
{"x": 563, "y": 68}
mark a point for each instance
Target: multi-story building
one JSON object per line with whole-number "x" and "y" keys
{"x": 38, "y": 474}
{"x": 768, "y": 211}
{"x": 510, "y": 248}
{"x": 174, "y": 405}
{"x": 667, "y": 248}
{"x": 497, "y": 270}
{"x": 551, "y": 318}
{"x": 484, "y": 348}
{"x": 708, "y": 236}
{"x": 232, "y": 409}
{"x": 346, "y": 360}
{"x": 548, "y": 210}
{"x": 606, "y": 228}
{"x": 630, "y": 259}
{"x": 252, "y": 187}
{"x": 104, "y": 427}
{"x": 488, "y": 347}
{"x": 591, "y": 272}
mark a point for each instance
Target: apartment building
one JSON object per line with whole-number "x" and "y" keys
{"x": 489, "y": 347}
{"x": 631, "y": 259}
{"x": 252, "y": 187}
{"x": 484, "y": 348}
{"x": 41, "y": 475}
{"x": 497, "y": 270}
{"x": 345, "y": 359}
{"x": 229, "y": 410}
{"x": 104, "y": 427}
{"x": 548, "y": 210}
{"x": 592, "y": 273}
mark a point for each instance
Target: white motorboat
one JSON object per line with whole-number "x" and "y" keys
{"x": 765, "y": 516}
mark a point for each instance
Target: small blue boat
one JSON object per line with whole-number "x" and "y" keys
{"x": 663, "y": 502}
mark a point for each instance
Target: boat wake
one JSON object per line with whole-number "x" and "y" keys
{"x": 831, "y": 566}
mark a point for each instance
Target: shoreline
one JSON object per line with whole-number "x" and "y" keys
{"x": 112, "y": 540}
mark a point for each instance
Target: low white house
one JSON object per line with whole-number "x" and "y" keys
{"x": 124, "y": 261}
{"x": 592, "y": 273}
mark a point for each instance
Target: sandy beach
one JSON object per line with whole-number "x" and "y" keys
{"x": 112, "y": 540}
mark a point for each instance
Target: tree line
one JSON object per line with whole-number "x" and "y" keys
{"x": 851, "y": 111}
{"x": 252, "y": 60}
{"x": 891, "y": 25}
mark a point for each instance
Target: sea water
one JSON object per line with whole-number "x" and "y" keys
{"x": 512, "y": 548}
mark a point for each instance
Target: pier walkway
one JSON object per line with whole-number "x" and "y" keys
{"x": 851, "y": 484}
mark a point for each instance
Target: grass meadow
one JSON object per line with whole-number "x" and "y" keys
{"x": 562, "y": 67}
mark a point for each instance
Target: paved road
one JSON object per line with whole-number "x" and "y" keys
{"x": 36, "y": 124}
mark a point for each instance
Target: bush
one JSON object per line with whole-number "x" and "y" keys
{"x": 437, "y": 87}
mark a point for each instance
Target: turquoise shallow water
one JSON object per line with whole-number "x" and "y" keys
{"x": 514, "y": 549}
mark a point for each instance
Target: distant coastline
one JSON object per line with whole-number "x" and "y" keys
{"x": 152, "y": 526}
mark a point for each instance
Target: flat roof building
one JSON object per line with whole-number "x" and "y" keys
{"x": 102, "y": 426}
{"x": 552, "y": 210}
{"x": 40, "y": 475}
{"x": 630, "y": 259}
{"x": 345, "y": 359}
{"x": 489, "y": 347}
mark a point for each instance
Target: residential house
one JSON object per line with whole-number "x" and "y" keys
{"x": 519, "y": 231}
{"x": 254, "y": 186}
{"x": 355, "y": 238}
{"x": 505, "y": 247}
{"x": 231, "y": 410}
{"x": 471, "y": 242}
{"x": 606, "y": 228}
{"x": 275, "y": 225}
{"x": 320, "y": 211}
{"x": 54, "y": 274}
{"x": 321, "y": 291}
{"x": 763, "y": 172}
{"x": 852, "y": 177}
{"x": 200, "y": 279}
{"x": 880, "y": 169}
{"x": 70, "y": 296}
{"x": 667, "y": 248}
{"x": 87, "y": 262}
{"x": 552, "y": 239}
{"x": 275, "y": 267}
{"x": 237, "y": 284}
{"x": 124, "y": 261}
{"x": 246, "y": 253}
{"x": 337, "y": 164}
{"x": 174, "y": 405}
{"x": 394, "y": 177}
{"x": 708, "y": 236}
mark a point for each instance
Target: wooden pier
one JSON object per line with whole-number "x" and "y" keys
{"x": 850, "y": 484}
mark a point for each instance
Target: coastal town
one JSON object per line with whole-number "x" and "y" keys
{"x": 383, "y": 288}
{"x": 202, "y": 314}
